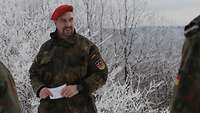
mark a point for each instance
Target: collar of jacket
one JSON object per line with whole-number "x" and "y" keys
{"x": 70, "y": 41}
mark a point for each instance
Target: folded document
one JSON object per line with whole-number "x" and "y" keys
{"x": 56, "y": 92}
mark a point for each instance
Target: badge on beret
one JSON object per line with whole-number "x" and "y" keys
{"x": 100, "y": 64}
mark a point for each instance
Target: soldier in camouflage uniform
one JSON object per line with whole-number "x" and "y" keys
{"x": 8, "y": 97}
{"x": 187, "y": 98}
{"x": 71, "y": 59}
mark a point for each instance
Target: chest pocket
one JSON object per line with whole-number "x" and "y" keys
{"x": 72, "y": 60}
{"x": 76, "y": 64}
{"x": 65, "y": 64}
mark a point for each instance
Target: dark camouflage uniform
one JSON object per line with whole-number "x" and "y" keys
{"x": 8, "y": 97}
{"x": 187, "y": 98}
{"x": 74, "y": 60}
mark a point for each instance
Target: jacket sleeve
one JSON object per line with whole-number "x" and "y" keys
{"x": 35, "y": 74}
{"x": 96, "y": 73}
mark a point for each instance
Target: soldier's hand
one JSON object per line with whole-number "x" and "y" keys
{"x": 44, "y": 93}
{"x": 69, "y": 91}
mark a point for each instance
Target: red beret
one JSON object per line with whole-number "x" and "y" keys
{"x": 59, "y": 11}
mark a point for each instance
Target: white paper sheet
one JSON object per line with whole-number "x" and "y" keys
{"x": 56, "y": 92}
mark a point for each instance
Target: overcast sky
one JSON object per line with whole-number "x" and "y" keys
{"x": 175, "y": 12}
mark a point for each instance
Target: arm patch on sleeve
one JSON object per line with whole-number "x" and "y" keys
{"x": 100, "y": 64}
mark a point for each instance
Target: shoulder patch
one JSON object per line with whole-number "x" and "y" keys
{"x": 178, "y": 78}
{"x": 100, "y": 64}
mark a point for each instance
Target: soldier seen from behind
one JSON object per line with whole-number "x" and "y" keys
{"x": 187, "y": 97}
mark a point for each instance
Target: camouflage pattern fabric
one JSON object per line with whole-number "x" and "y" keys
{"x": 8, "y": 97}
{"x": 74, "y": 60}
{"x": 187, "y": 97}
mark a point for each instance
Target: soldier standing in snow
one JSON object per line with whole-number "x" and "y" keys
{"x": 187, "y": 98}
{"x": 8, "y": 97}
{"x": 67, "y": 69}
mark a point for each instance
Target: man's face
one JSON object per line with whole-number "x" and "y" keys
{"x": 65, "y": 25}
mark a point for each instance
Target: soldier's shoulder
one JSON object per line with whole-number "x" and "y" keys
{"x": 3, "y": 71}
{"x": 85, "y": 40}
{"x": 47, "y": 43}
{"x": 192, "y": 28}
{"x": 1, "y": 65}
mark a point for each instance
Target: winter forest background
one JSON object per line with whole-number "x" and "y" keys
{"x": 142, "y": 60}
